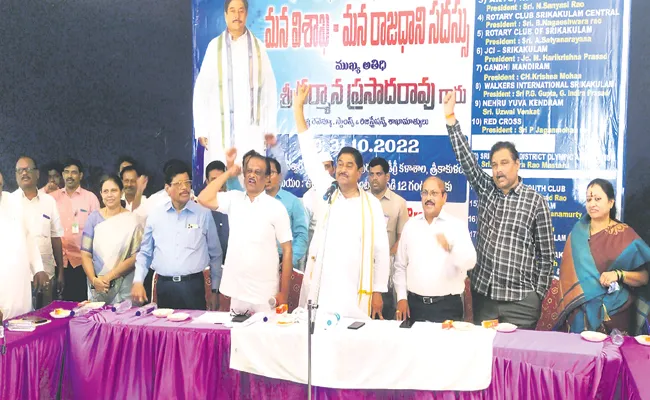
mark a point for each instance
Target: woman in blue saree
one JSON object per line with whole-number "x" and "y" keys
{"x": 604, "y": 271}
{"x": 110, "y": 241}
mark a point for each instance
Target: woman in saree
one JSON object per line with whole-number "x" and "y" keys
{"x": 110, "y": 241}
{"x": 604, "y": 271}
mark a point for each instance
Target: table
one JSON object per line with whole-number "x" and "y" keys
{"x": 31, "y": 368}
{"x": 121, "y": 356}
{"x": 635, "y": 384}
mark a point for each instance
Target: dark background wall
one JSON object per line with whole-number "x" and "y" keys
{"x": 98, "y": 78}
{"x": 94, "y": 79}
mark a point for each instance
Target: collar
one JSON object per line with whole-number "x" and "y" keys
{"x": 442, "y": 216}
{"x": 387, "y": 194}
{"x": 242, "y": 36}
{"x": 189, "y": 206}
{"x": 281, "y": 193}
{"x": 517, "y": 189}
{"x": 77, "y": 190}
{"x": 22, "y": 194}
{"x": 257, "y": 198}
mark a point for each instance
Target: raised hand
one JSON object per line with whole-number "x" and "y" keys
{"x": 231, "y": 156}
{"x": 141, "y": 183}
{"x": 449, "y": 103}
{"x": 270, "y": 140}
{"x": 302, "y": 92}
{"x": 203, "y": 141}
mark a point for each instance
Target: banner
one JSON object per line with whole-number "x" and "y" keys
{"x": 549, "y": 76}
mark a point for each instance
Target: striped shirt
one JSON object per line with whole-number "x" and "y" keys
{"x": 515, "y": 251}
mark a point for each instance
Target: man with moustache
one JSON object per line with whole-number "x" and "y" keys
{"x": 44, "y": 227}
{"x": 348, "y": 265}
{"x": 180, "y": 240}
{"x": 434, "y": 254}
{"x": 54, "y": 179}
{"x": 257, "y": 222}
{"x": 133, "y": 194}
{"x": 515, "y": 235}
{"x": 395, "y": 214}
{"x": 294, "y": 207}
{"x": 20, "y": 259}
{"x": 235, "y": 94}
{"x": 74, "y": 204}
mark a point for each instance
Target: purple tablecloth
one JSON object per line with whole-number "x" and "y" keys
{"x": 635, "y": 371}
{"x": 120, "y": 357}
{"x": 31, "y": 368}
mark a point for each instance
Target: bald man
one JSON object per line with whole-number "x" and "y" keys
{"x": 433, "y": 256}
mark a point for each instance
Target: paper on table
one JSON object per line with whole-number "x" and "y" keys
{"x": 213, "y": 317}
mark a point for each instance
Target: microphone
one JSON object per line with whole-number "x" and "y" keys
{"x": 330, "y": 191}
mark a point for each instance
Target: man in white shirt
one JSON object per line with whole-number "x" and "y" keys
{"x": 348, "y": 264}
{"x": 235, "y": 94}
{"x": 20, "y": 259}
{"x": 43, "y": 224}
{"x": 434, "y": 254}
{"x": 132, "y": 193}
{"x": 257, "y": 220}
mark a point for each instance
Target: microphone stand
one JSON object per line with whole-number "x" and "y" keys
{"x": 311, "y": 307}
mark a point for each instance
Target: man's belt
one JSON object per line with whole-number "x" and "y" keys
{"x": 181, "y": 278}
{"x": 429, "y": 299}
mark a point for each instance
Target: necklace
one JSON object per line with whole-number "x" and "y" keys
{"x": 591, "y": 230}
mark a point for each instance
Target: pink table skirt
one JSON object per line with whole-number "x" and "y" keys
{"x": 31, "y": 368}
{"x": 635, "y": 371}
{"x": 124, "y": 357}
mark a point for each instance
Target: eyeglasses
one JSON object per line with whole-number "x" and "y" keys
{"x": 432, "y": 193}
{"x": 28, "y": 170}
{"x": 180, "y": 184}
{"x": 257, "y": 172}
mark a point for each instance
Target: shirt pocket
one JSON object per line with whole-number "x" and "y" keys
{"x": 45, "y": 227}
{"x": 193, "y": 238}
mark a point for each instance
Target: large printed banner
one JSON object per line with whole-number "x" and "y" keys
{"x": 549, "y": 76}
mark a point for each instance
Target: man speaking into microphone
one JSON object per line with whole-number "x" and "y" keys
{"x": 348, "y": 260}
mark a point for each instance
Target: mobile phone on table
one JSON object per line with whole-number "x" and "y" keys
{"x": 356, "y": 325}
{"x": 36, "y": 320}
{"x": 407, "y": 323}
{"x": 240, "y": 318}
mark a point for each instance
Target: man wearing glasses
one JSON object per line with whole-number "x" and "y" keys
{"x": 180, "y": 239}
{"x": 295, "y": 209}
{"x": 434, "y": 254}
{"x": 44, "y": 226}
{"x": 75, "y": 205}
{"x": 257, "y": 222}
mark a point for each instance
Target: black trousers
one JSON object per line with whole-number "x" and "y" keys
{"x": 76, "y": 284}
{"x": 148, "y": 282}
{"x": 183, "y": 295}
{"x": 388, "y": 311}
{"x": 435, "y": 309}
